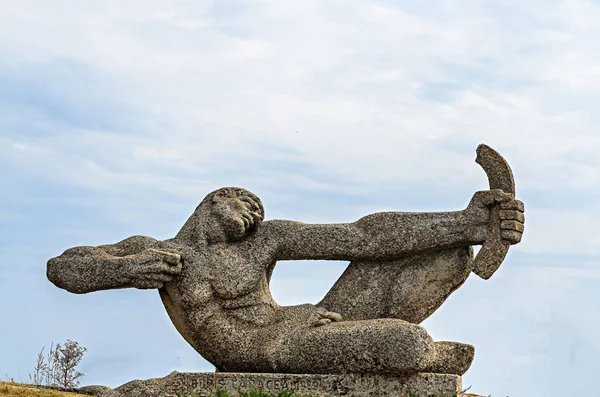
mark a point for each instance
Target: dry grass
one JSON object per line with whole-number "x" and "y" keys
{"x": 19, "y": 390}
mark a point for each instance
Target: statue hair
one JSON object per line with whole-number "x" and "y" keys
{"x": 190, "y": 230}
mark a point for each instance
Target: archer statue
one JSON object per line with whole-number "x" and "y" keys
{"x": 213, "y": 279}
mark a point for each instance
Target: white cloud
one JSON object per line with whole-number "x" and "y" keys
{"x": 570, "y": 231}
{"x": 349, "y": 86}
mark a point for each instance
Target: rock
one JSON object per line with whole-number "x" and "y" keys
{"x": 99, "y": 391}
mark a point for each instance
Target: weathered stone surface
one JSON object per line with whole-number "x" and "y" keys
{"x": 356, "y": 385}
{"x": 98, "y": 391}
{"x": 494, "y": 249}
{"x": 213, "y": 279}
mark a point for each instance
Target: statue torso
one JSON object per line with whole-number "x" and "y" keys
{"x": 223, "y": 282}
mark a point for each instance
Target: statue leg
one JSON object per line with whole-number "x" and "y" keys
{"x": 369, "y": 346}
{"x": 409, "y": 289}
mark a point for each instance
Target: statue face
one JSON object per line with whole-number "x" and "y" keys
{"x": 237, "y": 216}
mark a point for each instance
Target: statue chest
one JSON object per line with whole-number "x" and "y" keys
{"x": 223, "y": 272}
{"x": 235, "y": 274}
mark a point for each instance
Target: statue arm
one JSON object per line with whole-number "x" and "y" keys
{"x": 384, "y": 235}
{"x": 113, "y": 266}
{"x": 390, "y": 235}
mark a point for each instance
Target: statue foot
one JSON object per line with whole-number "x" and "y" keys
{"x": 451, "y": 358}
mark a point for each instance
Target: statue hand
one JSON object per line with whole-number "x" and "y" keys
{"x": 512, "y": 222}
{"x": 325, "y": 317}
{"x": 512, "y": 218}
{"x": 151, "y": 268}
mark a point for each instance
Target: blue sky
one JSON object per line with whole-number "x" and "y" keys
{"x": 116, "y": 118}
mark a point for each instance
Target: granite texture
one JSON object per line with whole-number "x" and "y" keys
{"x": 495, "y": 247}
{"x": 355, "y": 385}
{"x": 213, "y": 279}
{"x": 99, "y": 391}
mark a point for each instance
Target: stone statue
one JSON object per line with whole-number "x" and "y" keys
{"x": 213, "y": 279}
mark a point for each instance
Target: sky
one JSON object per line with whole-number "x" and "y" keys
{"x": 117, "y": 118}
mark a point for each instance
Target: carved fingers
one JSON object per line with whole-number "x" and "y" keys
{"x": 510, "y": 213}
{"x": 153, "y": 268}
{"x": 250, "y": 214}
{"x": 248, "y": 220}
{"x": 512, "y": 220}
{"x": 516, "y": 205}
{"x": 487, "y": 198}
{"x": 326, "y": 317}
{"x": 155, "y": 255}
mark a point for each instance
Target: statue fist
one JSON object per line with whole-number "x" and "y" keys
{"x": 511, "y": 214}
{"x": 151, "y": 268}
{"x": 512, "y": 220}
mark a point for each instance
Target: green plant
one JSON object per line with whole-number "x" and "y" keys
{"x": 221, "y": 393}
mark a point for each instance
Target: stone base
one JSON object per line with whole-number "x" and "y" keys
{"x": 356, "y": 385}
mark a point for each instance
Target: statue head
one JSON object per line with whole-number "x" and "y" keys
{"x": 226, "y": 214}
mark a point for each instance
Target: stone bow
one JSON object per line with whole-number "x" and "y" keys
{"x": 500, "y": 176}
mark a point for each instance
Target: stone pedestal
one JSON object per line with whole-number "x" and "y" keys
{"x": 356, "y": 385}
